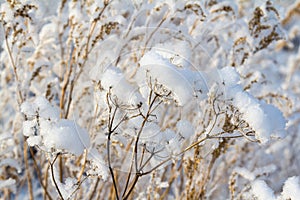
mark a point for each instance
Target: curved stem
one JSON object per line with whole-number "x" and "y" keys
{"x": 53, "y": 178}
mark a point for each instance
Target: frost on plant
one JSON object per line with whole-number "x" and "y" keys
{"x": 44, "y": 129}
{"x": 149, "y": 100}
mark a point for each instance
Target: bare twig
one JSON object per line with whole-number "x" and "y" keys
{"x": 25, "y": 152}
{"x": 110, "y": 124}
{"x": 19, "y": 93}
{"x": 94, "y": 188}
{"x": 53, "y": 178}
{"x": 39, "y": 174}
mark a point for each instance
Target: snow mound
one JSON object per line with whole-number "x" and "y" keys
{"x": 262, "y": 191}
{"x": 183, "y": 83}
{"x": 113, "y": 80}
{"x": 64, "y": 135}
{"x": 266, "y": 120}
{"x": 44, "y": 128}
{"x": 291, "y": 188}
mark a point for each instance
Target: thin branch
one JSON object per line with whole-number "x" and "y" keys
{"x": 78, "y": 186}
{"x": 176, "y": 155}
{"x": 95, "y": 188}
{"x": 29, "y": 183}
{"x": 127, "y": 180}
{"x": 154, "y": 31}
{"x": 142, "y": 158}
{"x": 83, "y": 165}
{"x": 53, "y": 178}
{"x": 110, "y": 124}
{"x": 135, "y": 180}
{"x": 135, "y": 151}
{"x": 147, "y": 161}
{"x": 39, "y": 174}
{"x": 20, "y": 96}
{"x": 247, "y": 137}
{"x": 110, "y": 167}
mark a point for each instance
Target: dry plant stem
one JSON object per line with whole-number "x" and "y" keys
{"x": 170, "y": 182}
{"x": 135, "y": 180}
{"x": 83, "y": 166}
{"x": 65, "y": 84}
{"x": 110, "y": 124}
{"x": 138, "y": 174}
{"x": 62, "y": 105}
{"x": 140, "y": 131}
{"x": 153, "y": 32}
{"x": 232, "y": 185}
{"x": 111, "y": 169}
{"x": 99, "y": 192}
{"x": 39, "y": 174}
{"x": 94, "y": 189}
{"x": 111, "y": 130}
{"x": 27, "y": 170}
{"x": 141, "y": 165}
{"x": 148, "y": 40}
{"x": 78, "y": 186}
{"x": 46, "y": 178}
{"x": 176, "y": 155}
{"x": 92, "y": 29}
{"x": 71, "y": 61}
{"x": 69, "y": 101}
{"x": 20, "y": 101}
{"x": 20, "y": 97}
{"x": 53, "y": 178}
{"x": 128, "y": 179}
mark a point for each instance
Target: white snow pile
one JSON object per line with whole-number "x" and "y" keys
{"x": 45, "y": 129}
{"x": 182, "y": 82}
{"x": 113, "y": 80}
{"x": 266, "y": 120}
{"x": 291, "y": 188}
{"x": 262, "y": 191}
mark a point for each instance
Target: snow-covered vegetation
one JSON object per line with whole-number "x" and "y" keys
{"x": 149, "y": 99}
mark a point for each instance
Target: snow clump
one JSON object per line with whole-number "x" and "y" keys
{"x": 266, "y": 120}
{"x": 45, "y": 129}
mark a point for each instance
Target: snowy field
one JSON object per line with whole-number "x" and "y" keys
{"x": 150, "y": 99}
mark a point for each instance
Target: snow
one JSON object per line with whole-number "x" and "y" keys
{"x": 151, "y": 132}
{"x": 34, "y": 140}
{"x": 64, "y": 135}
{"x": 163, "y": 47}
{"x": 98, "y": 166}
{"x": 262, "y": 191}
{"x": 245, "y": 173}
{"x": 52, "y": 132}
{"x": 11, "y": 163}
{"x": 258, "y": 114}
{"x": 28, "y": 128}
{"x": 179, "y": 56}
{"x": 113, "y": 80}
{"x": 41, "y": 106}
{"x": 164, "y": 184}
{"x": 9, "y": 183}
{"x": 181, "y": 82}
{"x": 28, "y": 109}
{"x": 68, "y": 187}
{"x": 291, "y": 188}
{"x": 185, "y": 128}
{"x": 8, "y": 12}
